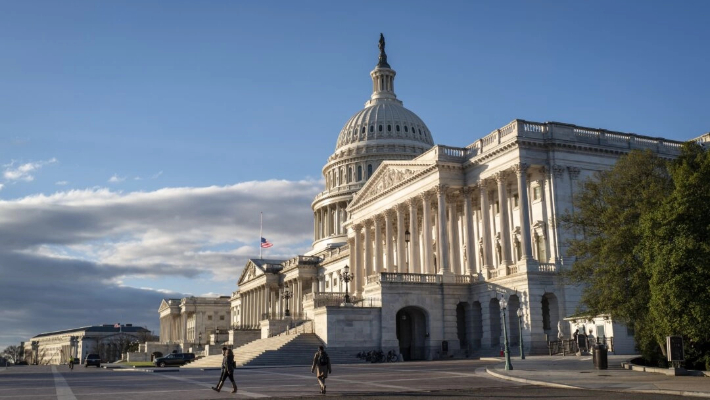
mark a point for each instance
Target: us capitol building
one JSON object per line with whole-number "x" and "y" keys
{"x": 438, "y": 239}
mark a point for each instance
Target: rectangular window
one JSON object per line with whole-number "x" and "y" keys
{"x": 221, "y": 317}
{"x": 209, "y": 318}
{"x": 497, "y": 205}
{"x": 537, "y": 193}
{"x": 515, "y": 200}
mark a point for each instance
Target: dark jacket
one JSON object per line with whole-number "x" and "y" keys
{"x": 228, "y": 362}
{"x": 322, "y": 370}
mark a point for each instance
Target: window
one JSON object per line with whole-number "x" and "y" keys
{"x": 537, "y": 193}
{"x": 350, "y": 173}
{"x": 497, "y": 207}
{"x": 369, "y": 170}
{"x": 209, "y": 318}
{"x": 397, "y": 127}
{"x": 363, "y": 129}
{"x": 327, "y": 284}
{"x": 379, "y": 128}
{"x": 389, "y": 128}
{"x": 221, "y": 317}
{"x": 359, "y": 173}
{"x": 545, "y": 314}
{"x": 372, "y": 128}
{"x": 405, "y": 128}
{"x": 515, "y": 200}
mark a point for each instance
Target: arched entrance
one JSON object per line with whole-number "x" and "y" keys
{"x": 550, "y": 315}
{"x": 412, "y": 333}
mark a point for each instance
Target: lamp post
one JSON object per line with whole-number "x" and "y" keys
{"x": 520, "y": 326}
{"x": 216, "y": 336}
{"x": 199, "y": 340}
{"x": 508, "y": 365}
{"x": 346, "y": 277}
{"x": 406, "y": 240}
{"x": 286, "y": 296}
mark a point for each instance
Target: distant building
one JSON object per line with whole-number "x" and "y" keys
{"x": 109, "y": 341}
{"x": 192, "y": 321}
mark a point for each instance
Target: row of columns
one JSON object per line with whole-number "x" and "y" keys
{"x": 257, "y": 302}
{"x": 328, "y": 220}
{"x": 446, "y": 233}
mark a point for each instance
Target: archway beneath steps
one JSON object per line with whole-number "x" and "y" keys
{"x": 412, "y": 328}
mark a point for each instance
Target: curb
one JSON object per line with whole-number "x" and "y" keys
{"x": 561, "y": 386}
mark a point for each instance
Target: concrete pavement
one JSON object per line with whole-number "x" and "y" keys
{"x": 574, "y": 372}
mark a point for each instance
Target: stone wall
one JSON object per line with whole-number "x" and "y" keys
{"x": 351, "y": 329}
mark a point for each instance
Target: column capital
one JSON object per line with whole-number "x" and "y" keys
{"x": 441, "y": 189}
{"x": 520, "y": 168}
{"x": 500, "y": 176}
{"x": 401, "y": 207}
{"x": 390, "y": 213}
{"x": 558, "y": 170}
{"x": 426, "y": 196}
{"x": 413, "y": 201}
{"x": 483, "y": 184}
{"x": 368, "y": 223}
{"x": 467, "y": 191}
{"x": 379, "y": 218}
{"x": 357, "y": 228}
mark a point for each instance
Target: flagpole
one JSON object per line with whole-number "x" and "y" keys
{"x": 261, "y": 231}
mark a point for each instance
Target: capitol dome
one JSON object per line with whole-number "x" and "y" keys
{"x": 383, "y": 131}
{"x": 384, "y": 121}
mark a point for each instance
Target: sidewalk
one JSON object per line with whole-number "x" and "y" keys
{"x": 574, "y": 372}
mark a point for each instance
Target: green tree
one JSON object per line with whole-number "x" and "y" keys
{"x": 608, "y": 235}
{"x": 676, "y": 250}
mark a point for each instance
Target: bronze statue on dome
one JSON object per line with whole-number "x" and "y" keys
{"x": 383, "y": 56}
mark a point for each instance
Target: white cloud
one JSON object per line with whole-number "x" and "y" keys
{"x": 116, "y": 179}
{"x": 156, "y": 175}
{"x": 95, "y": 240}
{"x": 61, "y": 183}
{"x": 1, "y": 186}
{"x": 24, "y": 172}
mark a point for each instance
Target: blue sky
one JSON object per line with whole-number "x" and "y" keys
{"x": 139, "y": 140}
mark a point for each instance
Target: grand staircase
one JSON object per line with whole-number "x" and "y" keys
{"x": 278, "y": 350}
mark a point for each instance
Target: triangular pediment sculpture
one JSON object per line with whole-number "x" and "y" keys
{"x": 389, "y": 176}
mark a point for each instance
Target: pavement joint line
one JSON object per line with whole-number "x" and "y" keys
{"x": 409, "y": 389}
{"x": 209, "y": 386}
{"x": 64, "y": 392}
{"x": 529, "y": 381}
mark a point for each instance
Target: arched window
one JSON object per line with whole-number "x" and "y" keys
{"x": 405, "y": 129}
{"x": 379, "y": 128}
{"x": 389, "y": 128}
{"x": 397, "y": 126}
{"x": 369, "y": 171}
{"x": 359, "y": 173}
{"x": 350, "y": 174}
{"x": 363, "y": 129}
{"x": 372, "y": 128}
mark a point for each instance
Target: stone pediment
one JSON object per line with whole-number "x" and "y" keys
{"x": 387, "y": 178}
{"x": 251, "y": 271}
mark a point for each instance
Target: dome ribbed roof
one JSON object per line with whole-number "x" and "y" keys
{"x": 381, "y": 121}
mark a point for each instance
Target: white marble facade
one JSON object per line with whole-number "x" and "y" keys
{"x": 194, "y": 321}
{"x": 435, "y": 235}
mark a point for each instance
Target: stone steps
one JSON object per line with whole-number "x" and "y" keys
{"x": 278, "y": 350}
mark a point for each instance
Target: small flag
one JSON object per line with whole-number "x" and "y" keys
{"x": 265, "y": 244}
{"x": 117, "y": 325}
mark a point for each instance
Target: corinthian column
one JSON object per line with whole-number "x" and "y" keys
{"x": 486, "y": 232}
{"x": 428, "y": 263}
{"x": 468, "y": 231}
{"x": 520, "y": 171}
{"x": 414, "y": 265}
{"x": 443, "y": 238}
{"x": 367, "y": 262}
{"x": 388, "y": 241}
{"x": 357, "y": 268}
{"x": 378, "y": 243}
{"x": 401, "y": 251}
{"x": 504, "y": 224}
{"x": 453, "y": 226}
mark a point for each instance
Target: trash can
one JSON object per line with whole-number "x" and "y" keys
{"x": 600, "y": 357}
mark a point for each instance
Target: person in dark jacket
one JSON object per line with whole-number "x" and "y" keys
{"x": 227, "y": 370}
{"x": 321, "y": 365}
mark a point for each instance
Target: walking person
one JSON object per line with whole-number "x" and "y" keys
{"x": 321, "y": 365}
{"x": 71, "y": 363}
{"x": 227, "y": 370}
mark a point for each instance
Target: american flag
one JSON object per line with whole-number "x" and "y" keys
{"x": 116, "y": 325}
{"x": 265, "y": 244}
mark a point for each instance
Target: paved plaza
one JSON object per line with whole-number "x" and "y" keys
{"x": 535, "y": 378}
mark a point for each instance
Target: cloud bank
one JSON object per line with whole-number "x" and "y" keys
{"x": 64, "y": 257}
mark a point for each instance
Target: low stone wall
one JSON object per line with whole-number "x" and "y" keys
{"x": 137, "y": 357}
{"x": 351, "y": 328}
